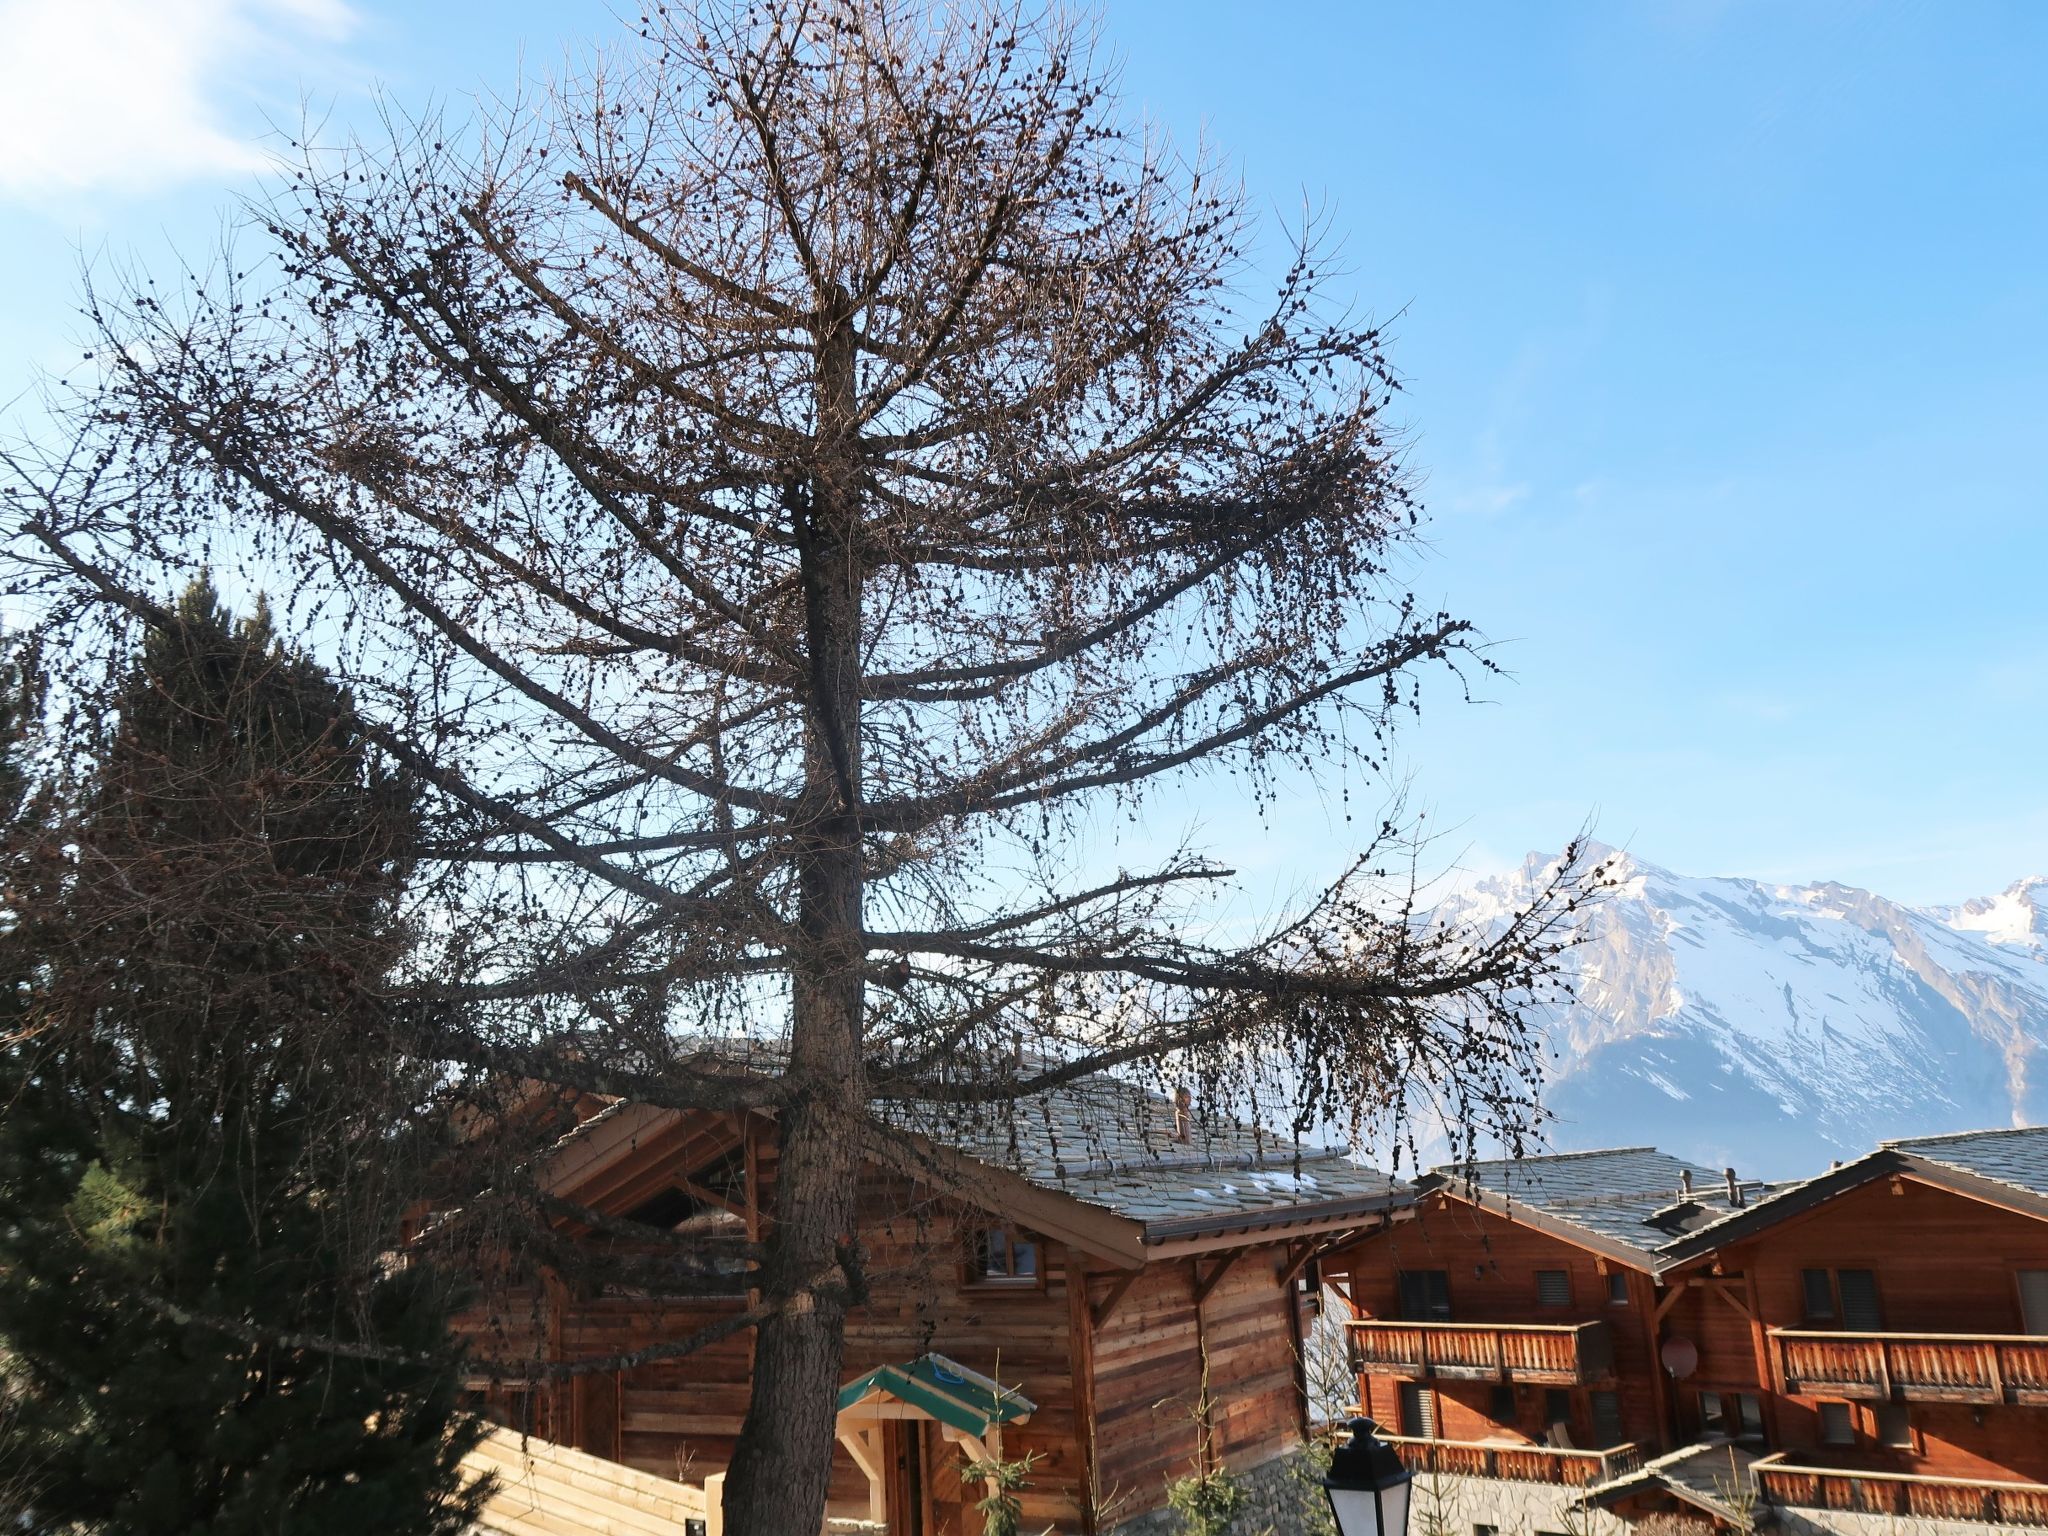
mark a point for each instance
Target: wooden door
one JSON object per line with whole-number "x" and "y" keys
{"x": 597, "y": 1414}
{"x": 906, "y": 1488}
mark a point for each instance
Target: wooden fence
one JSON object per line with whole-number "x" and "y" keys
{"x": 1925, "y": 1367}
{"x": 1901, "y": 1494}
{"x": 1517, "y": 1463}
{"x": 549, "y": 1490}
{"x": 1562, "y": 1354}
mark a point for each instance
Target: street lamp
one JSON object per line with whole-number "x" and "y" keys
{"x": 1368, "y": 1485}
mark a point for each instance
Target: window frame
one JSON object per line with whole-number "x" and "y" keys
{"x": 1617, "y": 1288}
{"x": 1807, "y": 1276}
{"x": 977, "y": 1276}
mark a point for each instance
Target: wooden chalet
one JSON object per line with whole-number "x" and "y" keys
{"x": 1624, "y": 1332}
{"x": 1056, "y": 1286}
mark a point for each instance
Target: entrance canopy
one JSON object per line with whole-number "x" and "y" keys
{"x": 936, "y": 1388}
{"x": 969, "y": 1408}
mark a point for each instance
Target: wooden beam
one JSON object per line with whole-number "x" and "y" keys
{"x": 1081, "y": 1367}
{"x": 864, "y": 1446}
{"x": 1670, "y": 1300}
{"x": 1099, "y": 1313}
{"x": 1311, "y": 1249}
{"x": 1641, "y": 1297}
{"x": 1735, "y": 1301}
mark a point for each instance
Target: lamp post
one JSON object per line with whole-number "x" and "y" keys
{"x": 1368, "y": 1485}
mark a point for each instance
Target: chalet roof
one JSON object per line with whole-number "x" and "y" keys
{"x": 1113, "y": 1144}
{"x": 1121, "y": 1148}
{"x": 2008, "y": 1166}
{"x": 1633, "y": 1198}
{"x": 2016, "y": 1158}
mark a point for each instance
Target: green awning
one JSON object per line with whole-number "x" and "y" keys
{"x": 945, "y": 1389}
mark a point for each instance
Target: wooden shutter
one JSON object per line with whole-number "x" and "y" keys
{"x": 1860, "y": 1311}
{"x": 2034, "y": 1300}
{"x": 1607, "y": 1419}
{"x": 1418, "y": 1411}
{"x": 1425, "y": 1296}
{"x": 1553, "y": 1288}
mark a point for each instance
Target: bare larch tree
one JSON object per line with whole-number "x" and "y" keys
{"x": 787, "y": 493}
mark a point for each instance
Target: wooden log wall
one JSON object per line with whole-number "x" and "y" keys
{"x": 1148, "y": 1360}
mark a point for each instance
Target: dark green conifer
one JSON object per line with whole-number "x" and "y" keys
{"x": 202, "y": 1156}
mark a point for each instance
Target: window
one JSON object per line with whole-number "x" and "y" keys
{"x": 1553, "y": 1288}
{"x": 1836, "y": 1426}
{"x": 1617, "y": 1289}
{"x": 1732, "y": 1415}
{"x": 1820, "y": 1295}
{"x": 1485, "y": 1530}
{"x": 1418, "y": 1411}
{"x": 1607, "y": 1419}
{"x": 1749, "y": 1416}
{"x": 1004, "y": 1257}
{"x": 2034, "y": 1300}
{"x": 1502, "y": 1407}
{"x": 1557, "y": 1407}
{"x": 1858, "y": 1290}
{"x": 1895, "y": 1426}
{"x": 1425, "y": 1296}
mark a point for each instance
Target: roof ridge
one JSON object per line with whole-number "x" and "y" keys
{"x": 1549, "y": 1157}
{"x": 1948, "y": 1136}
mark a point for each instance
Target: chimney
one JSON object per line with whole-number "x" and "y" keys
{"x": 1734, "y": 1187}
{"x": 1685, "y": 1181}
{"x": 1183, "y": 1112}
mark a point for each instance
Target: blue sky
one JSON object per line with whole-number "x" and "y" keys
{"x": 1725, "y": 326}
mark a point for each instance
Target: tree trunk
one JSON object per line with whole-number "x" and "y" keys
{"x": 781, "y": 1468}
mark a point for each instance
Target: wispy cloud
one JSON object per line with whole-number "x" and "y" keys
{"x": 104, "y": 96}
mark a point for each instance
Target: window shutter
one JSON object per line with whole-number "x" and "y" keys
{"x": 1418, "y": 1411}
{"x": 1607, "y": 1418}
{"x": 1836, "y": 1427}
{"x": 1553, "y": 1288}
{"x": 2034, "y": 1300}
{"x": 1860, "y": 1312}
{"x": 1425, "y": 1296}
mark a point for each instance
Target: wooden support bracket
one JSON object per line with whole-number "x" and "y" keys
{"x": 1098, "y": 1314}
{"x": 1204, "y": 1287}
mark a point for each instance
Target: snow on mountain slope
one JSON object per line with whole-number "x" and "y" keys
{"x": 1772, "y": 1028}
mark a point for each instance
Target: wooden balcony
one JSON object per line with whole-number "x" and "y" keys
{"x": 1912, "y": 1367}
{"x": 1895, "y": 1494}
{"x": 1516, "y": 1463}
{"x": 1552, "y": 1354}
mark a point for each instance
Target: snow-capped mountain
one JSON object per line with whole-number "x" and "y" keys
{"x": 1772, "y": 1028}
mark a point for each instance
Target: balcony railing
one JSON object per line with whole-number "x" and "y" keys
{"x": 1517, "y": 1463}
{"x": 1565, "y": 1355}
{"x": 1916, "y": 1367}
{"x": 1901, "y": 1493}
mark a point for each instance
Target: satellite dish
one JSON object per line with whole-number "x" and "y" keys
{"x": 1681, "y": 1357}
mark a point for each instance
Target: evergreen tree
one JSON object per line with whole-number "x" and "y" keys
{"x": 201, "y": 1158}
